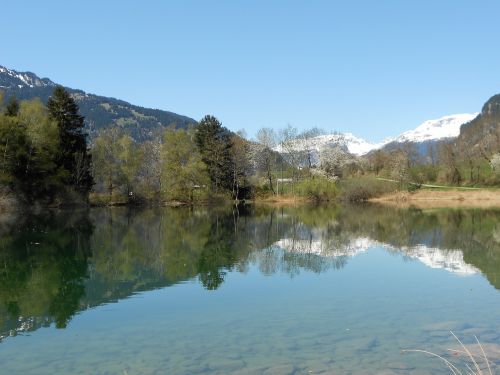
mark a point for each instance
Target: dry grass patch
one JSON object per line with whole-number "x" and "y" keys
{"x": 442, "y": 198}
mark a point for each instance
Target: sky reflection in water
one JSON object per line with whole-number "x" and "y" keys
{"x": 254, "y": 290}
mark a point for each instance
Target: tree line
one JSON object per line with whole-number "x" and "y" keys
{"x": 43, "y": 150}
{"x": 448, "y": 162}
{"x": 183, "y": 165}
{"x": 203, "y": 162}
{"x": 45, "y": 156}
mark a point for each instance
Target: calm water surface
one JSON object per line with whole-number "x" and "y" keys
{"x": 308, "y": 290}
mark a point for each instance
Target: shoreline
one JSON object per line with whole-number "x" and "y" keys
{"x": 423, "y": 198}
{"x": 478, "y": 198}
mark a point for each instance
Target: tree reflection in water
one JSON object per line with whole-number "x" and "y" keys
{"x": 58, "y": 263}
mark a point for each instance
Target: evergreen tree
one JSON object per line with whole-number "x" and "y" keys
{"x": 214, "y": 143}
{"x": 12, "y": 108}
{"x": 73, "y": 155}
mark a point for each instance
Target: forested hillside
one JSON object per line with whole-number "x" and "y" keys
{"x": 100, "y": 112}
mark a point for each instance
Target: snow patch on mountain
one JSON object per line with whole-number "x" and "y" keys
{"x": 21, "y": 79}
{"x": 355, "y": 145}
{"x": 431, "y": 130}
{"x": 441, "y": 128}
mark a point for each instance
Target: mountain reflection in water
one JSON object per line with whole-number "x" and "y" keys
{"x": 60, "y": 263}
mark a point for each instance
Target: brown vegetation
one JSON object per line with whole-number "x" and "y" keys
{"x": 483, "y": 198}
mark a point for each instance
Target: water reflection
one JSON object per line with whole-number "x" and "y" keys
{"x": 44, "y": 270}
{"x": 59, "y": 263}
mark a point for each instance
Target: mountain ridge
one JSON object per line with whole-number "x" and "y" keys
{"x": 430, "y": 131}
{"x": 99, "y": 111}
{"x": 143, "y": 123}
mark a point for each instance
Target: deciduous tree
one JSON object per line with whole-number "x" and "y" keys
{"x": 183, "y": 169}
{"x": 263, "y": 154}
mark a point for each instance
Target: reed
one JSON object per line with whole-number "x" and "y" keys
{"x": 472, "y": 366}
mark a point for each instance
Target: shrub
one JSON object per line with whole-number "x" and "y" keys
{"x": 318, "y": 189}
{"x": 363, "y": 188}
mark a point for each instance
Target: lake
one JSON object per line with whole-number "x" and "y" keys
{"x": 248, "y": 290}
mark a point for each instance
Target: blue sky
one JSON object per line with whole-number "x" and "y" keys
{"x": 374, "y": 68}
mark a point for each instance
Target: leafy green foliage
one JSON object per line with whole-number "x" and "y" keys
{"x": 183, "y": 165}
{"x": 13, "y": 150}
{"x": 185, "y": 174}
{"x": 318, "y": 189}
{"x": 117, "y": 160}
{"x": 43, "y": 154}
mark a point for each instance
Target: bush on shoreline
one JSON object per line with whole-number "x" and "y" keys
{"x": 364, "y": 188}
{"x": 318, "y": 189}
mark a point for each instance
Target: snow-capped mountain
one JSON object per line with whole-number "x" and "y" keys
{"x": 10, "y": 79}
{"x": 347, "y": 141}
{"x": 100, "y": 112}
{"x": 429, "y": 131}
{"x": 355, "y": 145}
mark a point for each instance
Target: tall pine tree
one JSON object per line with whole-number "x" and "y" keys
{"x": 73, "y": 158}
{"x": 214, "y": 143}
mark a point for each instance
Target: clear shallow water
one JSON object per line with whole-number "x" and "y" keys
{"x": 265, "y": 291}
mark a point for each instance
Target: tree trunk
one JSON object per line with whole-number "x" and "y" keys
{"x": 270, "y": 177}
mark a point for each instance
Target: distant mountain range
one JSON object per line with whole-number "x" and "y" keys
{"x": 470, "y": 131}
{"x": 433, "y": 130}
{"x": 99, "y": 111}
{"x": 429, "y": 132}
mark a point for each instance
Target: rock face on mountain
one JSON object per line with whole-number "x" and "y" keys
{"x": 492, "y": 106}
{"x": 482, "y": 134}
{"x": 99, "y": 111}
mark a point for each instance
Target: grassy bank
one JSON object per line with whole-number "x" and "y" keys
{"x": 319, "y": 191}
{"x": 429, "y": 198}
